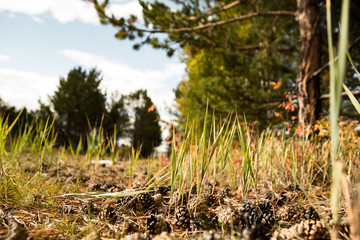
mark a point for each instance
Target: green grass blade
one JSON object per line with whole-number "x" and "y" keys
{"x": 352, "y": 98}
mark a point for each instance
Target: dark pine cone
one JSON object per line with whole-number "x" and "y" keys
{"x": 283, "y": 198}
{"x": 128, "y": 202}
{"x": 260, "y": 213}
{"x": 108, "y": 213}
{"x": 310, "y": 213}
{"x": 204, "y": 222}
{"x": 269, "y": 196}
{"x": 224, "y": 192}
{"x": 211, "y": 198}
{"x": 156, "y": 224}
{"x": 291, "y": 212}
{"x": 182, "y": 218}
{"x": 292, "y": 188}
{"x": 151, "y": 224}
{"x": 146, "y": 200}
{"x": 163, "y": 190}
{"x": 254, "y": 232}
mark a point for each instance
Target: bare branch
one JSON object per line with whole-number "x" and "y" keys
{"x": 262, "y": 46}
{"x": 344, "y": 94}
{"x": 325, "y": 66}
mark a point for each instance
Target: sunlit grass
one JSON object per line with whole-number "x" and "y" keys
{"x": 232, "y": 153}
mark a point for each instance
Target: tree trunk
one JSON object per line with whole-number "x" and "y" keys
{"x": 308, "y": 89}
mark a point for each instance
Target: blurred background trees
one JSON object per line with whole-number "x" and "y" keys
{"x": 146, "y": 132}
{"x": 81, "y": 108}
{"x": 78, "y": 103}
{"x": 264, "y": 59}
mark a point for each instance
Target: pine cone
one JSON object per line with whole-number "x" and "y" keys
{"x": 223, "y": 193}
{"x": 204, "y": 222}
{"x": 310, "y": 214}
{"x": 290, "y": 213}
{"x": 177, "y": 200}
{"x": 163, "y": 190}
{"x": 308, "y": 230}
{"x": 194, "y": 225}
{"x": 156, "y": 224}
{"x": 257, "y": 213}
{"x": 212, "y": 199}
{"x": 145, "y": 200}
{"x": 228, "y": 216}
{"x": 269, "y": 196}
{"x": 158, "y": 199}
{"x": 108, "y": 213}
{"x": 182, "y": 218}
{"x": 284, "y": 198}
{"x": 127, "y": 202}
{"x": 202, "y": 203}
{"x": 254, "y": 232}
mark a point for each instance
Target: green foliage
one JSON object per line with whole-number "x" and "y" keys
{"x": 224, "y": 81}
{"x": 229, "y": 66}
{"x": 146, "y": 132}
{"x": 231, "y": 62}
{"x": 11, "y": 113}
{"x": 116, "y": 121}
{"x": 80, "y": 105}
{"x": 78, "y": 99}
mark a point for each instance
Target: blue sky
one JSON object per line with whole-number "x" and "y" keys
{"x": 42, "y": 40}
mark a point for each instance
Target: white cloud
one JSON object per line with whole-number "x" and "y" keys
{"x": 4, "y": 58}
{"x": 125, "y": 79}
{"x": 68, "y": 10}
{"x": 37, "y": 19}
{"x": 23, "y": 89}
{"x": 126, "y": 9}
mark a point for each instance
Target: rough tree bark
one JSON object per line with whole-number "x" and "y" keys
{"x": 308, "y": 87}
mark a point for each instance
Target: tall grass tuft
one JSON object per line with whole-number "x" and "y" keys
{"x": 4, "y": 132}
{"x": 337, "y": 75}
{"x": 247, "y": 168}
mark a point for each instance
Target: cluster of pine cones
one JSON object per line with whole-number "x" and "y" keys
{"x": 275, "y": 216}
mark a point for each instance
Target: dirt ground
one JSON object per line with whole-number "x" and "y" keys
{"x": 132, "y": 210}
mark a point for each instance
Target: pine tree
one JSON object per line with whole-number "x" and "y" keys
{"x": 77, "y": 102}
{"x": 146, "y": 132}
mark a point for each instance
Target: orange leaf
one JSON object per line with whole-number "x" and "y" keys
{"x": 278, "y": 115}
{"x": 276, "y": 85}
{"x": 152, "y": 108}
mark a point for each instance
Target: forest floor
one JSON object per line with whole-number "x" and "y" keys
{"x": 103, "y": 202}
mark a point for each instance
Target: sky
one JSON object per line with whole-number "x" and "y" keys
{"x": 42, "y": 40}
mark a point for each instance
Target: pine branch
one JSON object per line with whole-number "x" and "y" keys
{"x": 223, "y": 22}
{"x": 212, "y": 12}
{"x": 200, "y": 27}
